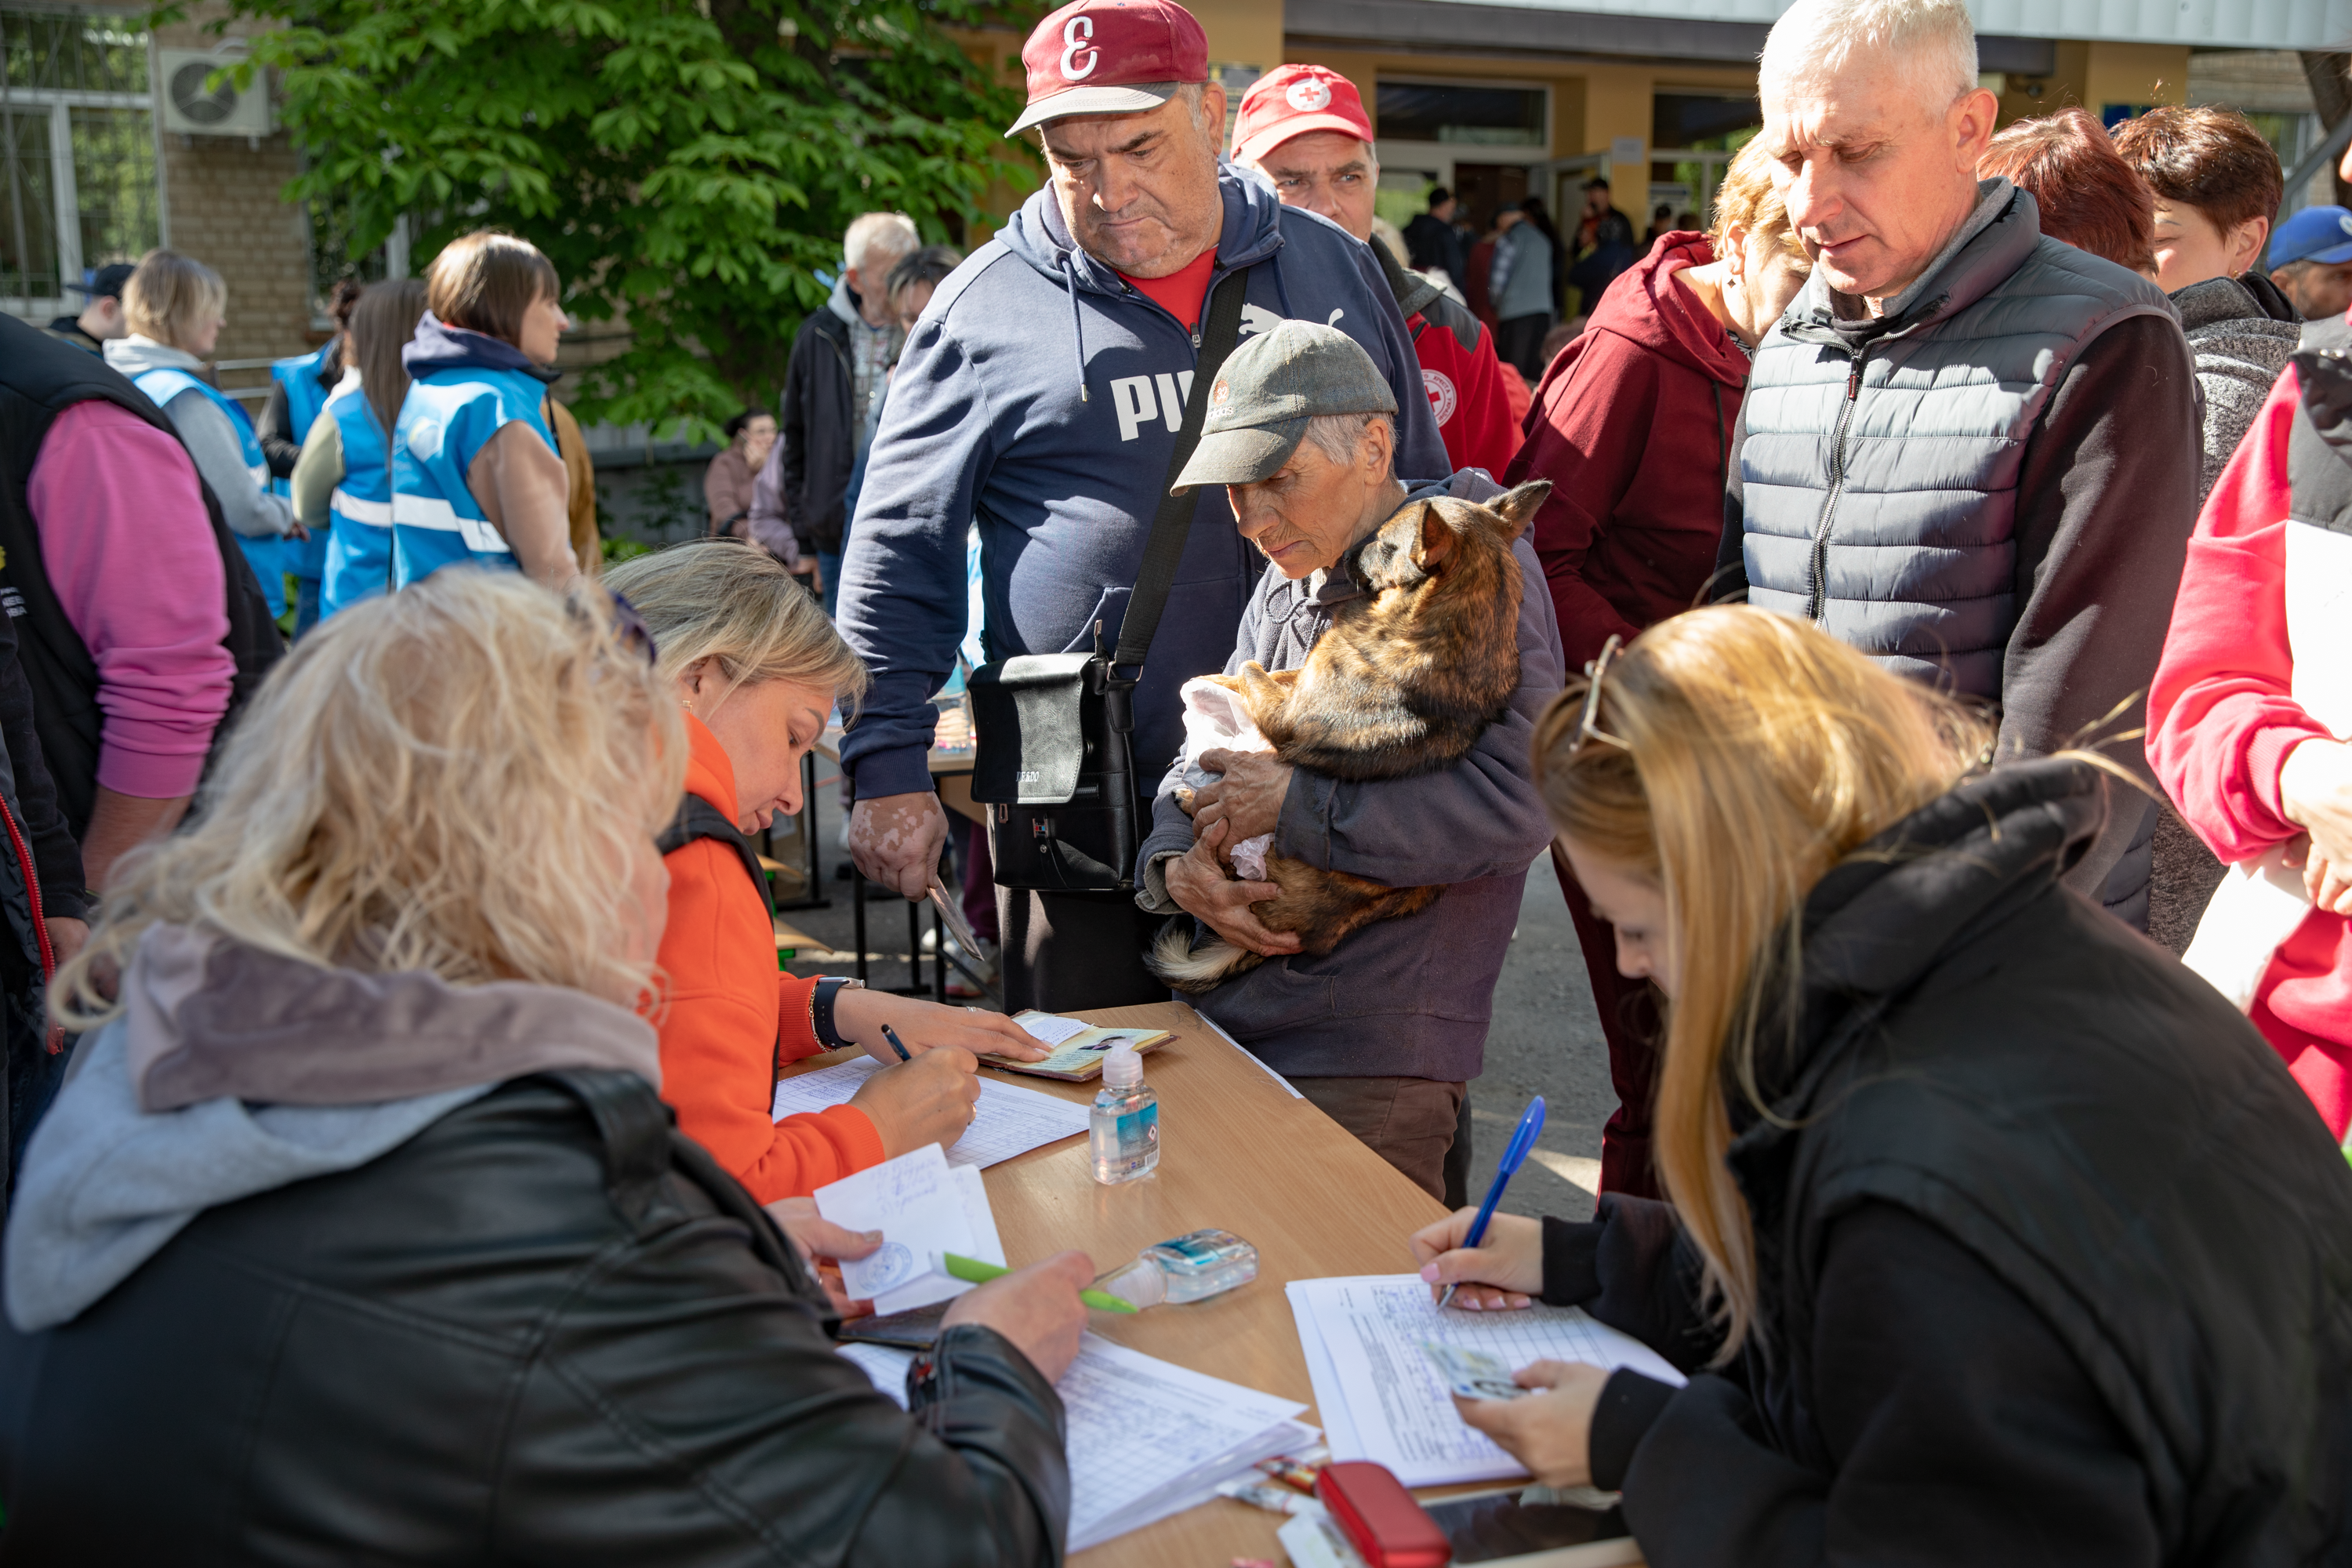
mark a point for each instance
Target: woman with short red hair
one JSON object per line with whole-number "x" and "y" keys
{"x": 2087, "y": 194}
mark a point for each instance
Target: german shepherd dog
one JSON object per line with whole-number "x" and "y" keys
{"x": 1403, "y": 682}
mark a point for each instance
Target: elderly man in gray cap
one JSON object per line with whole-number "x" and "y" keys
{"x": 1384, "y": 1032}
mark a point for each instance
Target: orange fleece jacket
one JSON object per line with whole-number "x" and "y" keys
{"x": 734, "y": 1020}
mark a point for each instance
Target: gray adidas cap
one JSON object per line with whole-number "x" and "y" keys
{"x": 1269, "y": 388}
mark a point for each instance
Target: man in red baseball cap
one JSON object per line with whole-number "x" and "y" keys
{"x": 1039, "y": 399}
{"x": 1304, "y": 128}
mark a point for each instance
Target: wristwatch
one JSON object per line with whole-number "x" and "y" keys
{"x": 821, "y": 1000}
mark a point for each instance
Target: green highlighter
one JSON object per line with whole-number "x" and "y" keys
{"x": 961, "y": 1267}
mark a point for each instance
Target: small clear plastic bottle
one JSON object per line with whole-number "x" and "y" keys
{"x": 1189, "y": 1269}
{"x": 1123, "y": 1128}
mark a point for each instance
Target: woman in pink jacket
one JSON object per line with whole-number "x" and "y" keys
{"x": 2246, "y": 722}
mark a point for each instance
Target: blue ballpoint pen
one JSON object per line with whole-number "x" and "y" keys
{"x": 1531, "y": 1128}
{"x": 892, "y": 1035}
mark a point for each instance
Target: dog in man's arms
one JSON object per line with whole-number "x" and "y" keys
{"x": 1403, "y": 681}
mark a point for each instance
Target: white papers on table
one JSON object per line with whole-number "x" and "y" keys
{"x": 1047, "y": 1029}
{"x": 1379, "y": 1398}
{"x": 1006, "y": 1121}
{"x": 923, "y": 1206}
{"x": 1147, "y": 1438}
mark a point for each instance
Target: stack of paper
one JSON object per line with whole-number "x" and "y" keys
{"x": 1146, "y": 1439}
{"x": 1007, "y": 1121}
{"x": 1379, "y": 1398}
{"x": 924, "y": 1207}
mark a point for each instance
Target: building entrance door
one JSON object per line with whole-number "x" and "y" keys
{"x": 1485, "y": 189}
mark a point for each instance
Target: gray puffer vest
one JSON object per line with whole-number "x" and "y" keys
{"x": 1881, "y": 462}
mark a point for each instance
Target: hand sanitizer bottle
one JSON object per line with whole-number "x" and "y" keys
{"x": 1123, "y": 1128}
{"x": 1189, "y": 1269}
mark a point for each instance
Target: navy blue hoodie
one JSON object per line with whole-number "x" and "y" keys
{"x": 986, "y": 423}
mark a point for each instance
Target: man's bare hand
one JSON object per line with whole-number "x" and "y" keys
{"x": 1247, "y": 799}
{"x": 1198, "y": 883}
{"x": 895, "y": 840}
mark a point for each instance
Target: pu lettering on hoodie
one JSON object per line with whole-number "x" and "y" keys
{"x": 1039, "y": 398}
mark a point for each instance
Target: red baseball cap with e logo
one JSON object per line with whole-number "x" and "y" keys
{"x": 1111, "y": 56}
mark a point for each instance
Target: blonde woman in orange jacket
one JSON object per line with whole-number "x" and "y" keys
{"x": 757, "y": 668}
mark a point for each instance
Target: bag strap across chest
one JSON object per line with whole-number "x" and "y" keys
{"x": 697, "y": 818}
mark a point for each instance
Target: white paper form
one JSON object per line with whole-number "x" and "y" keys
{"x": 1147, "y": 1438}
{"x": 919, "y": 1208}
{"x": 1379, "y": 1398}
{"x": 1006, "y": 1121}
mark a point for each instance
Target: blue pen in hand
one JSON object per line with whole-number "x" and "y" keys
{"x": 1531, "y": 1128}
{"x": 899, "y": 1045}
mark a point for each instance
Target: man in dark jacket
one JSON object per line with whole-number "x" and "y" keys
{"x": 1040, "y": 397}
{"x": 1432, "y": 240}
{"x": 1883, "y": 489}
{"x": 832, "y": 390}
{"x": 464, "y": 1295}
{"x": 101, "y": 318}
{"x": 1380, "y": 1037}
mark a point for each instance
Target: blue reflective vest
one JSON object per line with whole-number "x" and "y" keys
{"x": 447, "y": 419}
{"x": 358, "y": 546}
{"x": 267, "y": 555}
{"x": 304, "y": 398}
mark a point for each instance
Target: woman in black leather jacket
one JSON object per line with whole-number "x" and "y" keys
{"x": 1996, "y": 1236}
{"x": 357, "y": 1233}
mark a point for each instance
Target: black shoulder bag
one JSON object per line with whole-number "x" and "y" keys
{"x": 1054, "y": 764}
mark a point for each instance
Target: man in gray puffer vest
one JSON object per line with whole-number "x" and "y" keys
{"x": 1968, "y": 449}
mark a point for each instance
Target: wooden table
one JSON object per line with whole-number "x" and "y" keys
{"x": 1237, "y": 1151}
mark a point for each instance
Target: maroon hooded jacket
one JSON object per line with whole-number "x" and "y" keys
{"x": 1633, "y": 427}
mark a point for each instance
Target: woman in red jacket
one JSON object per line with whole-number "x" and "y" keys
{"x": 1632, "y": 425}
{"x": 758, "y": 668}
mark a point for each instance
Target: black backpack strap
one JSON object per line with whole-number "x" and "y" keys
{"x": 1173, "y": 521}
{"x": 697, "y": 818}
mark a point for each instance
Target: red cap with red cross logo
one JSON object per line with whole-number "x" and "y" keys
{"x": 1291, "y": 100}
{"x": 1111, "y": 56}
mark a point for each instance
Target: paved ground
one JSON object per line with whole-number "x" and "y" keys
{"x": 1546, "y": 1037}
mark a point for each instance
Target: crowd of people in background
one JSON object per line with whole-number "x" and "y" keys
{"x": 1861, "y": 526}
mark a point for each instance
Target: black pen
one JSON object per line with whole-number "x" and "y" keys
{"x": 892, "y": 1035}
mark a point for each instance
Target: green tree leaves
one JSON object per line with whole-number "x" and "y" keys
{"x": 688, "y": 167}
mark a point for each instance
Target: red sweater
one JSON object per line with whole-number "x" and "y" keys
{"x": 1633, "y": 427}
{"x": 733, "y": 1019}
{"x": 2226, "y": 708}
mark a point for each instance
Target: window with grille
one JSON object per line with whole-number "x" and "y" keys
{"x": 77, "y": 162}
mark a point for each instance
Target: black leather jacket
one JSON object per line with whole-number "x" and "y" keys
{"x": 549, "y": 1329}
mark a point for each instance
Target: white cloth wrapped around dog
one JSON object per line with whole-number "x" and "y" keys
{"x": 1214, "y": 719}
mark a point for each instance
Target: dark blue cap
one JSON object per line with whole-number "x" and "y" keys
{"x": 2315, "y": 234}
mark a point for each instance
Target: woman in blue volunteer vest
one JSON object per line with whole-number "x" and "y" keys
{"x": 299, "y": 391}
{"x": 175, "y": 306}
{"x": 345, "y": 480}
{"x": 477, "y": 478}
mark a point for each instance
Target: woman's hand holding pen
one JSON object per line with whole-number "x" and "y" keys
{"x": 1505, "y": 1270}
{"x": 929, "y": 1099}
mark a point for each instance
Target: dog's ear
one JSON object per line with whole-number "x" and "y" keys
{"x": 1436, "y": 547}
{"x": 1515, "y": 507}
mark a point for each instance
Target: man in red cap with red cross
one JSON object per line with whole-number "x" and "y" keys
{"x": 1304, "y": 128}
{"x": 1039, "y": 400}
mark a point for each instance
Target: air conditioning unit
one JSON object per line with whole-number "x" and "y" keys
{"x": 192, "y": 108}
